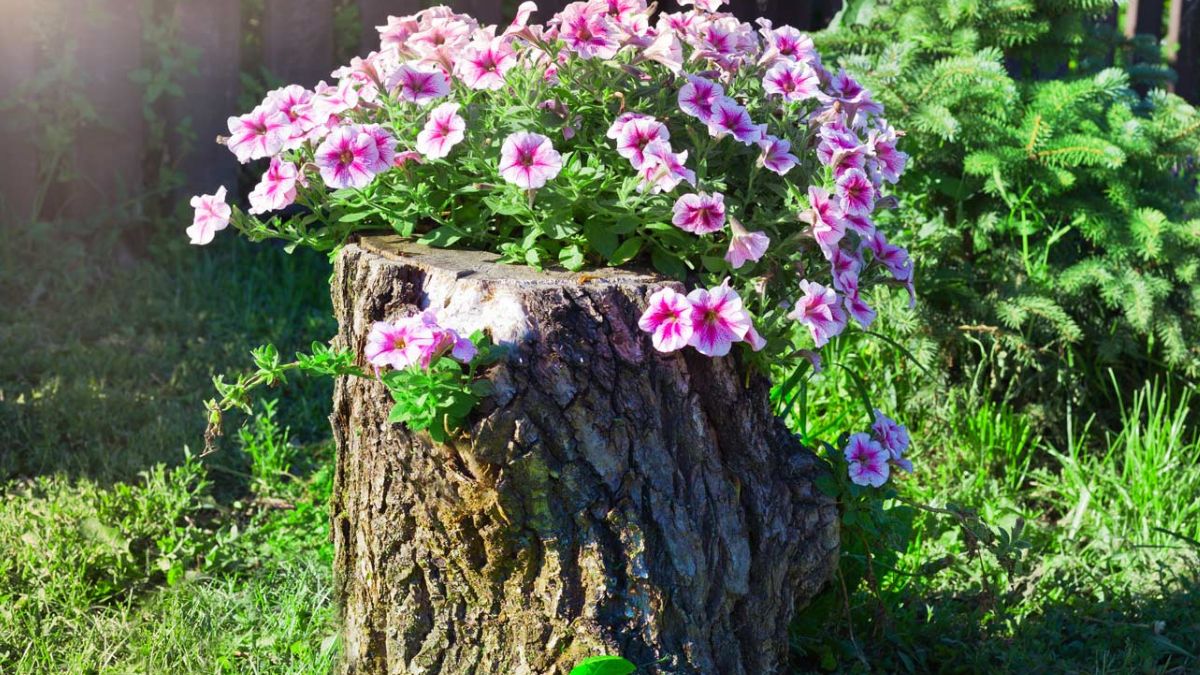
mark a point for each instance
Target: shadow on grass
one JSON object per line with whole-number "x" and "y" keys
{"x": 104, "y": 367}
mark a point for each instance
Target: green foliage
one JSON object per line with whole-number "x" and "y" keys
{"x": 1051, "y": 216}
{"x": 439, "y": 398}
{"x": 603, "y": 665}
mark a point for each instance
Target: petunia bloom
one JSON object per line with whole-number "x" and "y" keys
{"x": 855, "y": 193}
{"x": 443, "y": 130}
{"x": 392, "y": 345}
{"x": 892, "y": 436}
{"x": 700, "y": 213}
{"x": 664, "y": 168}
{"x": 587, "y": 31}
{"x": 718, "y": 320}
{"x": 258, "y": 134}
{"x": 819, "y": 310}
{"x": 668, "y": 319}
{"x": 212, "y": 215}
{"x": 277, "y": 189}
{"x": 347, "y": 158}
{"x": 635, "y": 135}
{"x": 698, "y": 96}
{"x": 419, "y": 84}
{"x": 482, "y": 66}
{"x": 744, "y": 245}
{"x": 730, "y": 119}
{"x": 433, "y": 340}
{"x": 792, "y": 81}
{"x": 776, "y": 156}
{"x": 385, "y": 146}
{"x": 529, "y": 160}
{"x": 868, "y": 461}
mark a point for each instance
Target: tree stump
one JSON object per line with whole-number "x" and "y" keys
{"x": 606, "y": 499}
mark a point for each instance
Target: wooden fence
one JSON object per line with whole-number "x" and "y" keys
{"x": 296, "y": 43}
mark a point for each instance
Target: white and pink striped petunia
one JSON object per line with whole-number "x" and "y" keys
{"x": 698, "y": 96}
{"x": 668, "y": 319}
{"x": 212, "y": 215}
{"x": 664, "y": 169}
{"x": 443, "y": 130}
{"x": 529, "y": 160}
{"x": 819, "y": 311}
{"x": 699, "y": 213}
{"x": 420, "y": 84}
{"x": 745, "y": 246}
{"x": 347, "y": 158}
{"x": 730, "y": 119}
{"x": 792, "y": 81}
{"x": 868, "y": 461}
{"x": 855, "y": 193}
{"x": 277, "y": 189}
{"x": 635, "y": 135}
{"x": 483, "y": 65}
{"x": 258, "y": 134}
{"x": 776, "y": 155}
{"x": 718, "y": 320}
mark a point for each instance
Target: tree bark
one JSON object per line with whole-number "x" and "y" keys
{"x": 606, "y": 499}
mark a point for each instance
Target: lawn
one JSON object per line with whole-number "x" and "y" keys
{"x": 124, "y": 550}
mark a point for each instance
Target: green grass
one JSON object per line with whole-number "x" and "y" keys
{"x": 124, "y": 552}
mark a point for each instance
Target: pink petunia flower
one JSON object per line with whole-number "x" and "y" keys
{"x": 668, "y": 319}
{"x": 258, "y": 134}
{"x": 664, "y": 169}
{"x": 635, "y": 135}
{"x": 330, "y": 101}
{"x": 277, "y": 189}
{"x": 730, "y": 119}
{"x": 718, "y": 320}
{"x": 482, "y": 66}
{"x": 863, "y": 225}
{"x": 788, "y": 43}
{"x": 792, "y": 81}
{"x": 744, "y": 245}
{"x": 391, "y": 345}
{"x": 698, "y": 96}
{"x": 443, "y": 130}
{"x": 894, "y": 258}
{"x": 419, "y": 84}
{"x": 667, "y": 50}
{"x": 212, "y": 215}
{"x": 820, "y": 311}
{"x": 840, "y": 148}
{"x": 856, "y": 193}
{"x": 776, "y": 156}
{"x": 295, "y": 102}
{"x": 700, "y": 213}
{"x": 385, "y": 145}
{"x": 858, "y": 309}
{"x": 704, "y": 5}
{"x": 846, "y": 267}
{"x": 852, "y": 95}
{"x": 827, "y": 223}
{"x": 587, "y": 30}
{"x": 529, "y": 160}
{"x": 868, "y": 461}
{"x": 892, "y": 436}
{"x": 887, "y": 161}
{"x": 614, "y": 130}
{"x": 433, "y": 340}
{"x": 347, "y": 158}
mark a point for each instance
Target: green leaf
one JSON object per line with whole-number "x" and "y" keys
{"x": 603, "y": 665}
{"x": 626, "y": 251}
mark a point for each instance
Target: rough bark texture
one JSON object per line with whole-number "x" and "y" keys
{"x": 606, "y": 499}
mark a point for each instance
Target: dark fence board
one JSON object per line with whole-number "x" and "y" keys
{"x": 18, "y": 179}
{"x": 108, "y": 152}
{"x": 214, "y": 28}
{"x": 298, "y": 40}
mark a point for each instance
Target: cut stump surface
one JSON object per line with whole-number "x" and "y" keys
{"x": 606, "y": 499}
